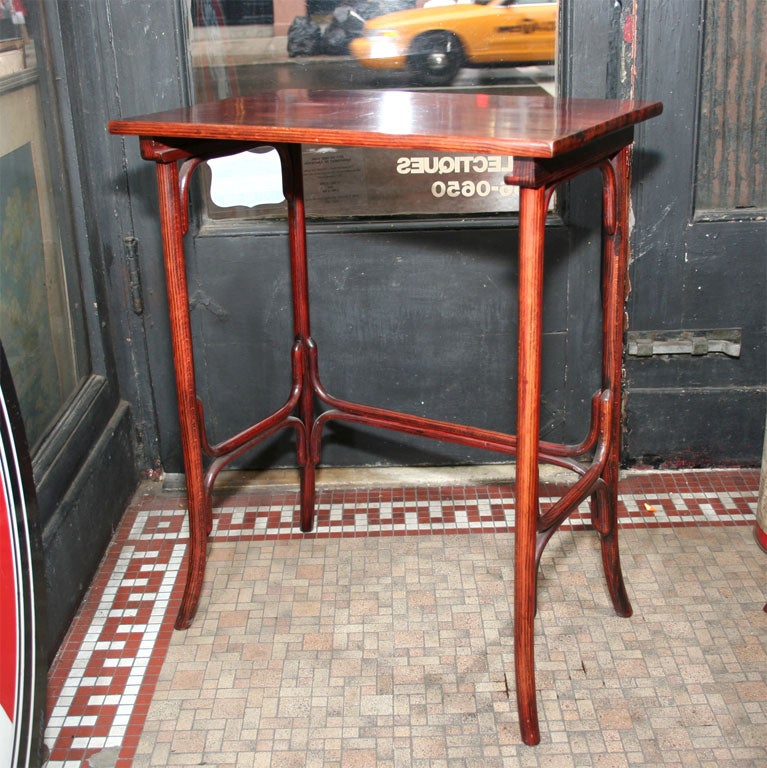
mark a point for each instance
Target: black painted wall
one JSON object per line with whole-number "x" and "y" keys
{"x": 688, "y": 273}
{"x": 421, "y": 316}
{"x": 420, "y": 320}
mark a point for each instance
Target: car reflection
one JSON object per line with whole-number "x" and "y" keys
{"x": 246, "y": 62}
{"x": 432, "y": 44}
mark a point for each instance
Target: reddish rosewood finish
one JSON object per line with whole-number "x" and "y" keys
{"x": 551, "y": 140}
{"x": 522, "y": 126}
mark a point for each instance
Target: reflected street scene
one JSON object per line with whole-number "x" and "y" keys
{"x": 240, "y": 47}
{"x": 432, "y": 44}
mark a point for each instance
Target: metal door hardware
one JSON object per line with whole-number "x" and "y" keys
{"x": 726, "y": 341}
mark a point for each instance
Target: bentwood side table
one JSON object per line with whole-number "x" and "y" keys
{"x": 550, "y": 141}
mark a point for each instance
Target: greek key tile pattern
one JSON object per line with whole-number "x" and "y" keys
{"x": 384, "y": 638}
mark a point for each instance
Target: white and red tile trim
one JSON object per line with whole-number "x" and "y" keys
{"x": 102, "y": 680}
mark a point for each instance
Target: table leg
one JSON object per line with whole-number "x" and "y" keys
{"x": 293, "y": 184}
{"x": 183, "y": 362}
{"x": 615, "y": 260}
{"x": 531, "y": 237}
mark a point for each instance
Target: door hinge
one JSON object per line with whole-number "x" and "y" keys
{"x": 130, "y": 250}
{"x": 697, "y": 343}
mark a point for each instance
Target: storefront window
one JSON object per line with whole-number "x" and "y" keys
{"x": 244, "y": 46}
{"x": 36, "y": 324}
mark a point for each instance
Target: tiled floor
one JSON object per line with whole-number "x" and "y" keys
{"x": 380, "y": 640}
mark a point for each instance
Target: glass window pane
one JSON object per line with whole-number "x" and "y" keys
{"x": 243, "y": 46}
{"x": 35, "y": 320}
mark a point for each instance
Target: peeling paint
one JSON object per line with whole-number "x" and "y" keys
{"x": 202, "y": 300}
{"x": 629, "y": 29}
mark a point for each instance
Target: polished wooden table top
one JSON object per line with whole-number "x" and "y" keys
{"x": 523, "y": 126}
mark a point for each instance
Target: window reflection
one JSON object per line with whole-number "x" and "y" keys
{"x": 431, "y": 45}
{"x": 35, "y": 320}
{"x": 506, "y": 46}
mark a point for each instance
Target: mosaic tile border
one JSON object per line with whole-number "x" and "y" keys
{"x": 101, "y": 683}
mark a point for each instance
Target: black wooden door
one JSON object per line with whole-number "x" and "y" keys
{"x": 698, "y": 363}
